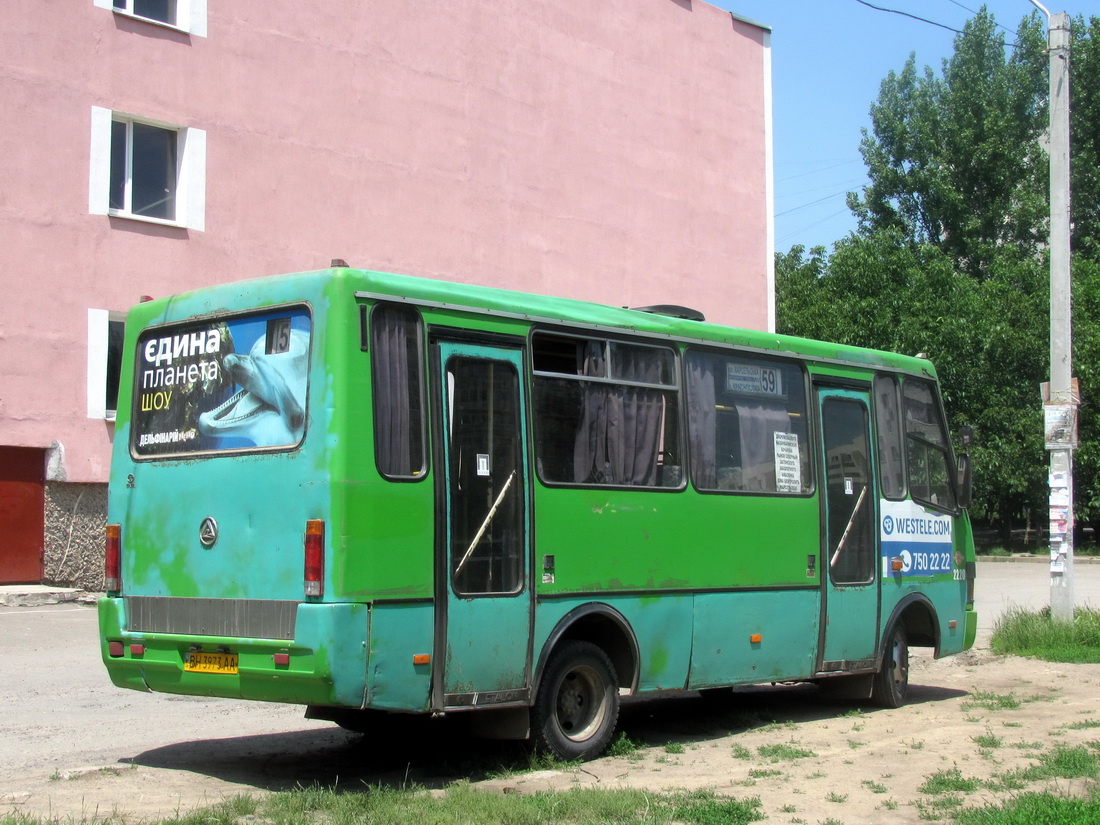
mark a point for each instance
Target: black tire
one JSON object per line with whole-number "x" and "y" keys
{"x": 891, "y": 685}
{"x": 577, "y": 705}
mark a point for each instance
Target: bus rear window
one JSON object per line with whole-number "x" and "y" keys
{"x": 231, "y": 383}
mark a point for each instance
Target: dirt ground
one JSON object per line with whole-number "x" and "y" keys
{"x": 866, "y": 765}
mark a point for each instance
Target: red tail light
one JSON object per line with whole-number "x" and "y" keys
{"x": 315, "y": 558}
{"x": 112, "y": 562}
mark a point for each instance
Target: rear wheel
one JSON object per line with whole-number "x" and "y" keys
{"x": 577, "y": 705}
{"x": 891, "y": 684}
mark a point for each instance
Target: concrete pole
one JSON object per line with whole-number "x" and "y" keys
{"x": 1061, "y": 337}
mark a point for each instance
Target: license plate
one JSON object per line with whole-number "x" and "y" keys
{"x": 198, "y": 662}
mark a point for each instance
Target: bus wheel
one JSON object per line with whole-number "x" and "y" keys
{"x": 577, "y": 705}
{"x": 892, "y": 681}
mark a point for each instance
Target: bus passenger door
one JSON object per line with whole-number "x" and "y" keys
{"x": 850, "y": 592}
{"x": 483, "y": 599}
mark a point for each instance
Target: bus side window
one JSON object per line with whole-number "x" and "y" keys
{"x": 747, "y": 424}
{"x": 606, "y": 412}
{"x": 927, "y": 447}
{"x": 397, "y": 371}
{"x": 891, "y": 466}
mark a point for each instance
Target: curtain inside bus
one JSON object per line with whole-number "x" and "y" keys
{"x": 619, "y": 438}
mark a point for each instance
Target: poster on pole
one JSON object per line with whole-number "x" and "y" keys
{"x": 1060, "y": 426}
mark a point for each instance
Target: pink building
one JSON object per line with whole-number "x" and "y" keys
{"x": 616, "y": 152}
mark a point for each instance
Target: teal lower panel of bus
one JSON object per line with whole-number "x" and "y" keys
{"x": 957, "y": 625}
{"x": 324, "y": 664}
{"x": 400, "y": 637}
{"x": 660, "y": 624}
{"x": 753, "y": 637}
{"x": 703, "y": 640}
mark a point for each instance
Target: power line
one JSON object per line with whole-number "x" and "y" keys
{"x": 794, "y": 233}
{"x": 907, "y": 14}
{"x": 812, "y": 203}
{"x": 1000, "y": 26}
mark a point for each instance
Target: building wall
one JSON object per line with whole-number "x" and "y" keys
{"x": 613, "y": 151}
{"x": 76, "y": 515}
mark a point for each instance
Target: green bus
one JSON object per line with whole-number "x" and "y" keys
{"x": 373, "y": 494}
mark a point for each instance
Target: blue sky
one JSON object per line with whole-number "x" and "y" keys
{"x": 828, "y": 59}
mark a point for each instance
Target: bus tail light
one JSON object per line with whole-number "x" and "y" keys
{"x": 112, "y": 562}
{"x": 315, "y": 557}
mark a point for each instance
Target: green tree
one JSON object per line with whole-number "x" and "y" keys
{"x": 956, "y": 160}
{"x": 880, "y": 290}
{"x": 949, "y": 255}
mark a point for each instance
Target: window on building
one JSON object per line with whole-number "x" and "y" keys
{"x": 163, "y": 11}
{"x": 145, "y": 170}
{"x": 105, "y": 333}
{"x": 186, "y": 15}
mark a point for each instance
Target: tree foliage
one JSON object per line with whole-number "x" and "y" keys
{"x": 949, "y": 257}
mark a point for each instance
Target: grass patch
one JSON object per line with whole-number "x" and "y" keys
{"x": 741, "y": 752}
{"x": 623, "y": 745}
{"x": 1028, "y": 633}
{"x": 1084, "y": 724}
{"x": 1061, "y": 762}
{"x": 784, "y": 752}
{"x": 987, "y": 740}
{"x": 1033, "y": 808}
{"x": 704, "y": 808}
{"x": 466, "y": 805}
{"x": 991, "y": 701}
{"x": 951, "y": 781}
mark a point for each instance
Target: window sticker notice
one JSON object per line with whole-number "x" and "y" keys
{"x": 788, "y": 463}
{"x": 920, "y": 538}
{"x": 231, "y": 384}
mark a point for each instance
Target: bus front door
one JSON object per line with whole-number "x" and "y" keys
{"x": 483, "y": 600}
{"x": 850, "y": 576}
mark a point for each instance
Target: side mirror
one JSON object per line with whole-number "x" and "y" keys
{"x": 964, "y": 481}
{"x": 966, "y": 436}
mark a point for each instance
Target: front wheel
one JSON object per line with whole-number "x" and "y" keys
{"x": 577, "y": 705}
{"x": 891, "y": 683}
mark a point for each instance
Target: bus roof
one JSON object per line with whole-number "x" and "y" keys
{"x": 541, "y": 309}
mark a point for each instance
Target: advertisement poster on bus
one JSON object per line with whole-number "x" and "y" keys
{"x": 921, "y": 538}
{"x": 230, "y": 384}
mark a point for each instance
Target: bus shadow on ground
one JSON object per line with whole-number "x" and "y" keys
{"x": 432, "y": 753}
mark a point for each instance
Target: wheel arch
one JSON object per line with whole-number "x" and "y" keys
{"x": 918, "y": 616}
{"x": 604, "y": 626}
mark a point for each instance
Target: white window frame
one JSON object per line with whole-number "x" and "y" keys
{"x": 190, "y": 171}
{"x": 190, "y": 15}
{"x": 99, "y": 321}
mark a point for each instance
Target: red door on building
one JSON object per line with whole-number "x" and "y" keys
{"x": 22, "y": 514}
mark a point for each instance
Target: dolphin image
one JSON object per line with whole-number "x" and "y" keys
{"x": 269, "y": 410}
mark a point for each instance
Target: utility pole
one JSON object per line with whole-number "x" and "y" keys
{"x": 1060, "y": 410}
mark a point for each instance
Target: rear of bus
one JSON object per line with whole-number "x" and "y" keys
{"x": 220, "y": 508}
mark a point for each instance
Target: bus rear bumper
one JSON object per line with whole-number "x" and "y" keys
{"x": 325, "y": 663}
{"x": 971, "y": 633}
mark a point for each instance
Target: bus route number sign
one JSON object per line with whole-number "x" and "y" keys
{"x": 748, "y": 379}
